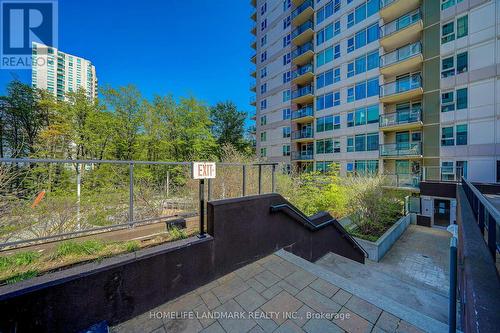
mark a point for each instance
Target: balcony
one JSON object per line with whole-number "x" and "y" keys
{"x": 401, "y": 150}
{"x": 254, "y": 30}
{"x": 253, "y": 86}
{"x": 303, "y": 13}
{"x": 303, "y": 34}
{"x": 303, "y": 75}
{"x": 254, "y": 16}
{"x": 253, "y": 73}
{"x": 304, "y": 115}
{"x": 406, "y": 59}
{"x": 401, "y": 120}
{"x": 403, "y": 181}
{"x": 254, "y": 59}
{"x": 392, "y": 9}
{"x": 404, "y": 30}
{"x": 303, "y": 95}
{"x": 254, "y": 45}
{"x": 303, "y": 54}
{"x": 253, "y": 100}
{"x": 303, "y": 135}
{"x": 253, "y": 3}
{"x": 402, "y": 89}
{"x": 300, "y": 156}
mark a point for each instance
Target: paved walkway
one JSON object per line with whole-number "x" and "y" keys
{"x": 270, "y": 295}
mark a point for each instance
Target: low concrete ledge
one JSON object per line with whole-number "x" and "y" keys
{"x": 377, "y": 250}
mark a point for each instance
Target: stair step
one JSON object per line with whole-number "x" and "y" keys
{"x": 425, "y": 309}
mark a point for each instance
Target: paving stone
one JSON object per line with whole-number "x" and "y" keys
{"x": 341, "y": 297}
{"x": 268, "y": 325}
{"x": 184, "y": 303}
{"x": 363, "y": 308}
{"x": 405, "y": 327}
{"x": 321, "y": 325}
{"x": 249, "y": 271}
{"x": 256, "y": 329}
{"x": 302, "y": 315}
{"x": 188, "y": 325}
{"x": 207, "y": 287}
{"x": 202, "y": 313}
{"x": 214, "y": 328}
{"x": 351, "y": 322}
{"x": 226, "y": 278}
{"x": 272, "y": 291}
{"x": 141, "y": 323}
{"x": 267, "y": 278}
{"x": 324, "y": 287}
{"x": 259, "y": 287}
{"x": 378, "y": 330}
{"x": 387, "y": 322}
{"x": 288, "y": 287}
{"x": 235, "y": 325}
{"x": 289, "y": 326}
{"x": 318, "y": 302}
{"x": 300, "y": 279}
{"x": 160, "y": 330}
{"x": 250, "y": 300}
{"x": 211, "y": 301}
{"x": 282, "y": 303}
{"x": 281, "y": 269}
{"x": 230, "y": 289}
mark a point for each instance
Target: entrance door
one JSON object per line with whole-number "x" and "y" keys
{"x": 441, "y": 212}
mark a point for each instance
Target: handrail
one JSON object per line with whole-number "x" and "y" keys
{"x": 307, "y": 222}
{"x": 487, "y": 204}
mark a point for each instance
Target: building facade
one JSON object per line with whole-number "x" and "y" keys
{"x": 60, "y": 73}
{"x": 404, "y": 88}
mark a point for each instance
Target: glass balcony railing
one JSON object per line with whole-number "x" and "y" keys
{"x": 385, "y": 3}
{"x": 401, "y": 117}
{"x": 308, "y": 68}
{"x": 400, "y": 54}
{"x": 306, "y": 90}
{"x": 401, "y": 149}
{"x": 302, "y": 49}
{"x": 302, "y": 155}
{"x": 253, "y": 99}
{"x": 401, "y": 85}
{"x": 307, "y": 111}
{"x": 306, "y": 133}
{"x": 403, "y": 180}
{"x": 400, "y": 23}
{"x": 302, "y": 7}
{"x": 307, "y": 25}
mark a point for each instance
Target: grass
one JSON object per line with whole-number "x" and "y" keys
{"x": 79, "y": 248}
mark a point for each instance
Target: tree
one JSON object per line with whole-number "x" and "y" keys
{"x": 228, "y": 126}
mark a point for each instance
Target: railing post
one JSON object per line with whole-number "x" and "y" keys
{"x": 480, "y": 220}
{"x": 492, "y": 237}
{"x": 202, "y": 208}
{"x": 209, "y": 189}
{"x": 131, "y": 194}
{"x": 244, "y": 175}
{"x": 273, "y": 178}
{"x": 260, "y": 178}
{"x": 452, "y": 307}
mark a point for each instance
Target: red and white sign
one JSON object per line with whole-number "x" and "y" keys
{"x": 203, "y": 170}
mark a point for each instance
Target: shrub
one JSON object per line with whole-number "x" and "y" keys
{"x": 177, "y": 233}
{"x": 131, "y": 246}
{"x": 87, "y": 247}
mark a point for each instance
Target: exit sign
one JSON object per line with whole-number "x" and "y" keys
{"x": 203, "y": 170}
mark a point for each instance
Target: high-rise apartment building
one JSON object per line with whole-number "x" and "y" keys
{"x": 60, "y": 73}
{"x": 405, "y": 88}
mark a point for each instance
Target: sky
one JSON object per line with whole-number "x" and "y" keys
{"x": 180, "y": 47}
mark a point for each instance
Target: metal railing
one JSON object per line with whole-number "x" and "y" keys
{"x": 401, "y": 149}
{"x": 307, "y": 111}
{"x": 302, "y": 49}
{"x": 306, "y": 4}
{"x": 385, "y": 3}
{"x": 55, "y": 199}
{"x": 302, "y": 91}
{"x": 303, "y": 27}
{"x": 403, "y": 180}
{"x": 400, "y": 23}
{"x": 401, "y": 117}
{"x": 307, "y": 68}
{"x": 451, "y": 174}
{"x": 400, "y": 54}
{"x": 487, "y": 216}
{"x": 299, "y": 155}
{"x": 401, "y": 85}
{"x": 307, "y": 133}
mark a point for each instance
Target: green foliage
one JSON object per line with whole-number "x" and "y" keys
{"x": 18, "y": 259}
{"x": 87, "y": 247}
{"x": 177, "y": 233}
{"x": 22, "y": 276}
{"x": 131, "y": 246}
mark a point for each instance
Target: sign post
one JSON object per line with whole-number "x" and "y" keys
{"x": 202, "y": 171}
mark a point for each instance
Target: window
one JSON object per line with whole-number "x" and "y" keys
{"x": 286, "y": 132}
{"x": 362, "y": 38}
{"x": 336, "y": 28}
{"x": 324, "y": 146}
{"x": 286, "y": 40}
{"x": 360, "y": 117}
{"x": 336, "y": 52}
{"x": 448, "y": 3}
{"x": 286, "y": 22}
{"x": 350, "y": 69}
{"x": 263, "y": 40}
{"x": 350, "y": 20}
{"x": 263, "y": 88}
{"x": 263, "y": 136}
{"x": 327, "y": 10}
{"x": 327, "y": 100}
{"x": 336, "y": 122}
{"x": 462, "y": 26}
{"x": 447, "y": 138}
{"x": 461, "y": 98}
{"x": 448, "y": 65}
{"x": 263, "y": 72}
{"x": 324, "y": 79}
{"x": 447, "y": 170}
{"x": 263, "y": 25}
{"x": 287, "y": 4}
{"x": 263, "y": 104}
{"x": 263, "y": 120}
{"x": 372, "y": 87}
{"x": 324, "y": 56}
{"x": 350, "y": 144}
{"x": 350, "y": 119}
{"x": 462, "y": 62}
{"x": 461, "y": 135}
{"x": 336, "y": 74}
{"x": 336, "y": 146}
{"x": 350, "y": 44}
{"x": 286, "y": 150}
{"x": 461, "y": 169}
{"x": 287, "y": 95}
{"x": 350, "y": 94}
{"x": 287, "y": 114}
{"x": 360, "y": 142}
{"x": 263, "y": 56}
{"x": 372, "y": 60}
{"x": 263, "y": 8}
{"x": 336, "y": 98}
{"x": 263, "y": 152}
{"x": 286, "y": 59}
{"x": 447, "y": 101}
{"x": 448, "y": 30}
{"x": 287, "y": 76}
{"x": 372, "y": 141}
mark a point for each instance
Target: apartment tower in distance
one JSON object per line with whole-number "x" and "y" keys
{"x": 60, "y": 73}
{"x": 404, "y": 88}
